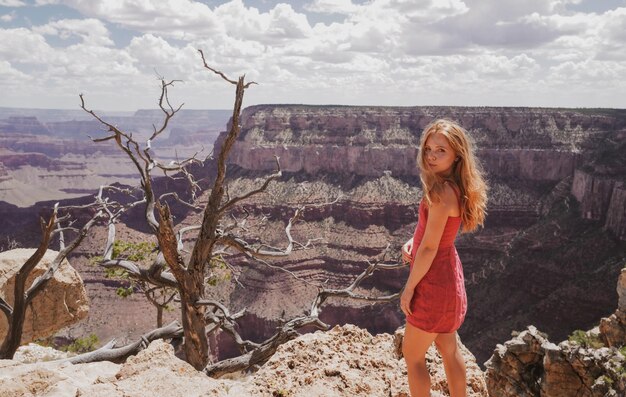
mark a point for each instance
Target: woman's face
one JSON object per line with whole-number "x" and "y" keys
{"x": 438, "y": 154}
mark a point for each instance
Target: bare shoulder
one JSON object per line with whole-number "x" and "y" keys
{"x": 449, "y": 197}
{"x": 448, "y": 203}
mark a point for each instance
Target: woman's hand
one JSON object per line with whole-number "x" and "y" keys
{"x": 405, "y": 300}
{"x": 406, "y": 251}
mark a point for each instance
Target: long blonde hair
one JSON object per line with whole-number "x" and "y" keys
{"x": 467, "y": 173}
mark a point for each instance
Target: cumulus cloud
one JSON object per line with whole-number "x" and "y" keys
{"x": 12, "y": 3}
{"x": 11, "y": 76}
{"x": 8, "y": 17}
{"x": 176, "y": 18}
{"x": 24, "y": 46}
{"x": 91, "y": 31}
{"x": 331, "y": 6}
{"x": 492, "y": 52}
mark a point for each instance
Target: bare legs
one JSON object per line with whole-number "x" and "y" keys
{"x": 414, "y": 347}
{"x": 453, "y": 364}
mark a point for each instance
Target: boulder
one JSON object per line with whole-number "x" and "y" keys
{"x": 61, "y": 303}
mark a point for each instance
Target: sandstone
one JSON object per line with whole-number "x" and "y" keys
{"x": 61, "y": 303}
{"x": 345, "y": 361}
{"x": 529, "y": 365}
{"x": 348, "y": 361}
{"x": 613, "y": 328}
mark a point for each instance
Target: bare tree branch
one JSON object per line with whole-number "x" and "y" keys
{"x": 22, "y": 297}
{"x": 265, "y": 350}
{"x": 272, "y": 177}
{"x": 175, "y": 195}
{"x": 109, "y": 352}
{"x": 40, "y": 281}
{"x": 220, "y": 316}
{"x": 6, "y": 309}
{"x": 153, "y": 275}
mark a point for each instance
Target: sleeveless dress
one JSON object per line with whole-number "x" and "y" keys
{"x": 439, "y": 302}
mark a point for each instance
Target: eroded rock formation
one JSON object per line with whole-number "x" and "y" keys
{"x": 535, "y": 238}
{"x": 590, "y": 364}
{"x": 62, "y": 302}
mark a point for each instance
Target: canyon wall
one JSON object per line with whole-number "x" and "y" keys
{"x": 536, "y": 238}
{"x": 603, "y": 199}
{"x": 538, "y": 260}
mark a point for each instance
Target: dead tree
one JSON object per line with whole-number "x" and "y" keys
{"x": 253, "y": 354}
{"x": 215, "y": 237}
{"x": 188, "y": 278}
{"x": 22, "y": 297}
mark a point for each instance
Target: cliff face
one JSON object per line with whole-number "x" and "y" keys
{"x": 526, "y": 143}
{"x": 602, "y": 199}
{"x": 543, "y": 145}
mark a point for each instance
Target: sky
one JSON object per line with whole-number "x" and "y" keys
{"x": 546, "y": 53}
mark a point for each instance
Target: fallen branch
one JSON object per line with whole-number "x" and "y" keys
{"x": 109, "y": 352}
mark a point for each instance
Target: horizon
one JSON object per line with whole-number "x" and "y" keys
{"x": 320, "y": 105}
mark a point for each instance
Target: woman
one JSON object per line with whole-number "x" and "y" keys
{"x": 434, "y": 299}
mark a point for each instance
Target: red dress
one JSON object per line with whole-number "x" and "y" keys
{"x": 439, "y": 302}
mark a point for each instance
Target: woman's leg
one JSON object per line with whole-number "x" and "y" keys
{"x": 414, "y": 347}
{"x": 453, "y": 363}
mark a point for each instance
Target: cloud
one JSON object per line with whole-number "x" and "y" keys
{"x": 23, "y": 46}
{"x": 378, "y": 52}
{"x": 331, "y": 7}
{"x": 174, "y": 18}
{"x": 11, "y": 76}
{"x": 91, "y": 31}
{"x": 12, "y": 3}
{"x": 8, "y": 17}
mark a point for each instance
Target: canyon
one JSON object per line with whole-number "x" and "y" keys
{"x": 551, "y": 248}
{"x": 48, "y": 154}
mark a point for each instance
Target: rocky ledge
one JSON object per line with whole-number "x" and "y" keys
{"x": 589, "y": 364}
{"x": 345, "y": 361}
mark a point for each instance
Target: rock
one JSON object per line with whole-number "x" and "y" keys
{"x": 613, "y": 328}
{"x": 602, "y": 198}
{"x": 516, "y": 366}
{"x": 51, "y": 378}
{"x": 157, "y": 371}
{"x": 349, "y": 361}
{"x": 32, "y": 353}
{"x": 529, "y": 365}
{"x": 345, "y": 361}
{"x": 61, "y": 303}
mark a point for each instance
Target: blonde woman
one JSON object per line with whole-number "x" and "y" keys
{"x": 434, "y": 299}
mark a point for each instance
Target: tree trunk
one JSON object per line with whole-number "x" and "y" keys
{"x": 159, "y": 316}
{"x": 194, "y": 324}
{"x": 14, "y": 333}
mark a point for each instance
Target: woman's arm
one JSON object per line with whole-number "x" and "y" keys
{"x": 437, "y": 218}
